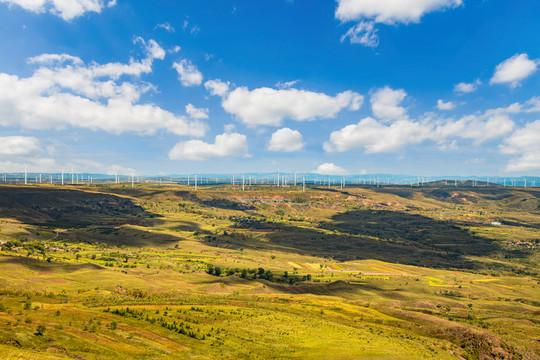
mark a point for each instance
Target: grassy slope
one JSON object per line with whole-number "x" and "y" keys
{"x": 396, "y": 272}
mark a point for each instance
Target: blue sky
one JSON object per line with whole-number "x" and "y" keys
{"x": 419, "y": 87}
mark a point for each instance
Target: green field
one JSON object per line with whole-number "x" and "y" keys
{"x": 164, "y": 272}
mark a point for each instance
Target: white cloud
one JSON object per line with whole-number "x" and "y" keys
{"x": 477, "y": 128}
{"x": 174, "y": 50}
{"x": 376, "y": 137}
{"x": 287, "y": 140}
{"x": 66, "y": 9}
{"x": 533, "y": 105}
{"x": 217, "y": 87}
{"x": 232, "y": 144}
{"x": 441, "y": 105}
{"x": 330, "y": 169}
{"x": 287, "y": 84}
{"x": 390, "y": 11}
{"x": 19, "y": 146}
{"x": 154, "y": 50}
{"x": 229, "y": 128}
{"x": 188, "y": 73}
{"x": 51, "y": 59}
{"x": 363, "y": 33}
{"x": 371, "y": 12}
{"x": 196, "y": 113}
{"x": 466, "y": 88}
{"x": 513, "y": 70}
{"x": 166, "y": 26}
{"x": 524, "y": 144}
{"x": 385, "y": 104}
{"x": 64, "y": 91}
{"x": 266, "y": 106}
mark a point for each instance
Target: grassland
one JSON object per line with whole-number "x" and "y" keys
{"x": 164, "y": 272}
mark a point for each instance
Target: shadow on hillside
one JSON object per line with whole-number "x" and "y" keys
{"x": 118, "y": 236}
{"x": 47, "y": 267}
{"x": 227, "y": 204}
{"x": 412, "y": 229}
{"x": 70, "y": 207}
{"x": 342, "y": 289}
{"x": 382, "y": 235}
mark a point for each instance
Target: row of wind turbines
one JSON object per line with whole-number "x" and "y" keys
{"x": 276, "y": 179}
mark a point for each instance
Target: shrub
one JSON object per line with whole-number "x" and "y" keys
{"x": 40, "y": 330}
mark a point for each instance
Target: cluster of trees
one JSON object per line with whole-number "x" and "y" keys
{"x": 259, "y": 273}
{"x": 179, "y": 327}
{"x": 31, "y": 247}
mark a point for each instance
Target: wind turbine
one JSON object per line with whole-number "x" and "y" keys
{"x": 25, "y": 175}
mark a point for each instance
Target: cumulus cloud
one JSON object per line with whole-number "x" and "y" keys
{"x": 385, "y": 104}
{"x": 513, "y": 70}
{"x": 466, "y": 88}
{"x": 64, "y": 91}
{"x": 188, "y": 73}
{"x": 267, "y": 106}
{"x": 196, "y": 113}
{"x": 376, "y": 137}
{"x": 287, "y": 140}
{"x": 66, "y": 9}
{"x": 154, "y": 50}
{"x": 19, "y": 146}
{"x": 217, "y": 87}
{"x": 371, "y": 12}
{"x": 330, "y": 169}
{"x": 441, "y": 105}
{"x": 479, "y": 129}
{"x": 524, "y": 144}
{"x": 231, "y": 144}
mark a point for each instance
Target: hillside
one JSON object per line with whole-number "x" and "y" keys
{"x": 162, "y": 272}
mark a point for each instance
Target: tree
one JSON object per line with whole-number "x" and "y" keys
{"x": 217, "y": 271}
{"x": 40, "y": 330}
